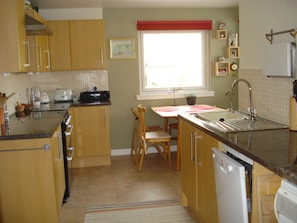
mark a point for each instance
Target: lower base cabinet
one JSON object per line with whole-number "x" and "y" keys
{"x": 32, "y": 180}
{"x": 265, "y": 186}
{"x": 198, "y": 180}
{"x": 91, "y": 136}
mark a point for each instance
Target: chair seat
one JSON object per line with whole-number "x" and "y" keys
{"x": 157, "y": 135}
{"x": 158, "y": 138}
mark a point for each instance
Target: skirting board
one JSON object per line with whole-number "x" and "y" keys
{"x": 122, "y": 152}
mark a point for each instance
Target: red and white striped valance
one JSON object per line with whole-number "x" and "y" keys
{"x": 175, "y": 25}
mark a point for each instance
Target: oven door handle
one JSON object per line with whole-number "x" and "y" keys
{"x": 69, "y": 158}
{"x": 68, "y": 120}
{"x": 68, "y": 133}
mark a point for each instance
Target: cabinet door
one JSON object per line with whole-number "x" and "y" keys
{"x": 27, "y": 182}
{"x": 39, "y": 53}
{"x": 206, "y": 194}
{"x": 58, "y": 167}
{"x": 14, "y": 47}
{"x": 43, "y": 53}
{"x": 265, "y": 186}
{"x": 91, "y": 124}
{"x": 188, "y": 166}
{"x": 198, "y": 182}
{"x": 87, "y": 44}
{"x": 59, "y": 45}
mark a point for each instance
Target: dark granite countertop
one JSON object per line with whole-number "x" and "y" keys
{"x": 99, "y": 103}
{"x": 35, "y": 125}
{"x": 41, "y": 122}
{"x": 274, "y": 149}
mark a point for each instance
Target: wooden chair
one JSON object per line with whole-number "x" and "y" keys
{"x": 159, "y": 139}
{"x": 172, "y": 126}
{"x": 135, "y": 140}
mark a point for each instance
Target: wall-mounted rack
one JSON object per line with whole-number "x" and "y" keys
{"x": 269, "y": 36}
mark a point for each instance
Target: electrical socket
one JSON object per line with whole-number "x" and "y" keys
{"x": 20, "y": 95}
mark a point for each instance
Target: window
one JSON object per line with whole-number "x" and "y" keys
{"x": 173, "y": 62}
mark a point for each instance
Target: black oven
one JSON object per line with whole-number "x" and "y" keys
{"x": 66, "y": 128}
{"x": 68, "y": 151}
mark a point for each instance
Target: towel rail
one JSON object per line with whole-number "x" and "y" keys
{"x": 45, "y": 147}
{"x": 269, "y": 36}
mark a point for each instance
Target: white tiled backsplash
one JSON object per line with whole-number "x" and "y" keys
{"x": 76, "y": 80}
{"x": 270, "y": 95}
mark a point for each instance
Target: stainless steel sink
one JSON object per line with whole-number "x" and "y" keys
{"x": 234, "y": 121}
{"x": 221, "y": 115}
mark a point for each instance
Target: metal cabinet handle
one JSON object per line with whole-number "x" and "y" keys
{"x": 28, "y": 54}
{"x": 48, "y": 66}
{"x": 40, "y": 57}
{"x": 69, "y": 158}
{"x": 101, "y": 57}
{"x": 70, "y": 127}
{"x": 104, "y": 117}
{"x": 194, "y": 147}
{"x": 192, "y": 155}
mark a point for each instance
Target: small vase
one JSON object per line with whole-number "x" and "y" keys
{"x": 191, "y": 100}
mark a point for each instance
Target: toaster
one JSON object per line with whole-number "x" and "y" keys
{"x": 63, "y": 94}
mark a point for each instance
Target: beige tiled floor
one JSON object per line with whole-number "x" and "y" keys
{"x": 120, "y": 183}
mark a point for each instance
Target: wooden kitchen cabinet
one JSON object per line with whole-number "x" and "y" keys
{"x": 32, "y": 180}
{"x": 265, "y": 186}
{"x": 14, "y": 46}
{"x": 87, "y": 44}
{"x": 198, "y": 180}
{"x": 39, "y": 53}
{"x": 59, "y": 44}
{"x": 77, "y": 45}
{"x": 91, "y": 136}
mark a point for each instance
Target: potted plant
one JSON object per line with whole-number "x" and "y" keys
{"x": 191, "y": 99}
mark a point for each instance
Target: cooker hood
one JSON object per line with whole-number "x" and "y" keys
{"x": 35, "y": 24}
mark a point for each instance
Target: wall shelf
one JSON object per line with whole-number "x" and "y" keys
{"x": 221, "y": 34}
{"x": 233, "y": 52}
{"x": 222, "y": 68}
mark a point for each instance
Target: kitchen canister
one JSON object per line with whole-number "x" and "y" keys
{"x": 293, "y": 114}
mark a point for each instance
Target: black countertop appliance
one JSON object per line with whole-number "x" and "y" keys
{"x": 94, "y": 96}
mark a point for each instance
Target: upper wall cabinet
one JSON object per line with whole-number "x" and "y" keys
{"x": 14, "y": 47}
{"x": 39, "y": 53}
{"x": 77, "y": 45}
{"x": 59, "y": 44}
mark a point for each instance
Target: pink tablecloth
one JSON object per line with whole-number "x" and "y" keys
{"x": 173, "y": 111}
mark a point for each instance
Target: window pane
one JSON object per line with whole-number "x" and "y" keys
{"x": 173, "y": 60}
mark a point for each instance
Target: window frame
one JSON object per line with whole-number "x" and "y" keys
{"x": 175, "y": 92}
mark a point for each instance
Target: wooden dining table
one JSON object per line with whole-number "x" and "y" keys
{"x": 172, "y": 112}
{"x": 167, "y": 112}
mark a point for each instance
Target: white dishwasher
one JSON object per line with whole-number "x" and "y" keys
{"x": 230, "y": 178}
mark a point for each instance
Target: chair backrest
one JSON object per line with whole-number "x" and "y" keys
{"x": 141, "y": 119}
{"x": 134, "y": 113}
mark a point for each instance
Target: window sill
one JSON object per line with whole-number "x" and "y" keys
{"x": 199, "y": 94}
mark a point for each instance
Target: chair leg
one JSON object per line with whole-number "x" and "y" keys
{"x": 167, "y": 153}
{"x": 133, "y": 141}
{"x": 141, "y": 158}
{"x": 159, "y": 150}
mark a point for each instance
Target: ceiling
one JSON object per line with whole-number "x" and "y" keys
{"x": 54, "y": 4}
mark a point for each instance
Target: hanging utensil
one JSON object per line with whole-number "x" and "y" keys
{"x": 295, "y": 89}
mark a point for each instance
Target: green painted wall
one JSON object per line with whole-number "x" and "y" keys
{"x": 123, "y": 74}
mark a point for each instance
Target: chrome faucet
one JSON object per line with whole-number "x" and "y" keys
{"x": 252, "y": 113}
{"x": 228, "y": 92}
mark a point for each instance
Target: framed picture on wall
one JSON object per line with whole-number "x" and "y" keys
{"x": 122, "y": 48}
{"x": 233, "y": 39}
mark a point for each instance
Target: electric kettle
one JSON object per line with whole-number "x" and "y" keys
{"x": 44, "y": 98}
